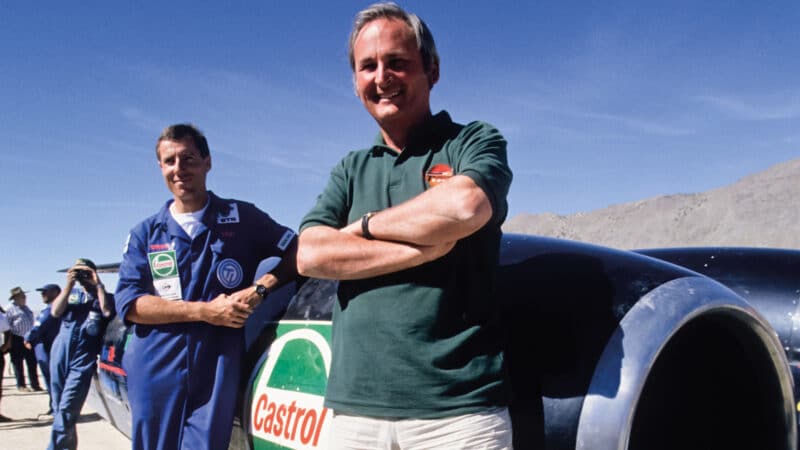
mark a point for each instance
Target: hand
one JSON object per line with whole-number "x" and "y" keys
{"x": 4, "y": 348}
{"x": 91, "y": 280}
{"x": 247, "y": 296}
{"x": 71, "y": 277}
{"x": 354, "y": 228}
{"x": 95, "y": 278}
{"x": 226, "y": 311}
{"x": 28, "y": 345}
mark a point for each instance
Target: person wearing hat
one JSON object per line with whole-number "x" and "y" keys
{"x": 186, "y": 285}
{"x": 20, "y": 318}
{"x": 44, "y": 331}
{"x": 85, "y": 309}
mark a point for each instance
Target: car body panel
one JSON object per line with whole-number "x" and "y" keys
{"x": 566, "y": 304}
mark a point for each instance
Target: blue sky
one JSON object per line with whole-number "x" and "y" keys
{"x": 601, "y": 103}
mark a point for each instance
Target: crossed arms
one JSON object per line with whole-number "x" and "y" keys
{"x": 412, "y": 233}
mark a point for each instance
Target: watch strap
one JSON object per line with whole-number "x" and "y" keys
{"x": 365, "y": 225}
{"x": 261, "y": 290}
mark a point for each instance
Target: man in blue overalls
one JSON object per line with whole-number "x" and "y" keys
{"x": 85, "y": 309}
{"x": 185, "y": 284}
{"x": 41, "y": 336}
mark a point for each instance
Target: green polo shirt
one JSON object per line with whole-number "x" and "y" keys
{"x": 425, "y": 342}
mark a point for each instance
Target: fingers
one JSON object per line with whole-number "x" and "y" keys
{"x": 240, "y": 310}
{"x": 353, "y": 228}
{"x": 74, "y": 271}
{"x": 247, "y": 296}
{"x": 229, "y": 312}
{"x": 242, "y": 296}
{"x": 236, "y": 319}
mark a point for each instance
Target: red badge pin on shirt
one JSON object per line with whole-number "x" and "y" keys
{"x": 437, "y": 174}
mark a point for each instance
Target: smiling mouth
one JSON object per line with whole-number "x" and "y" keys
{"x": 388, "y": 95}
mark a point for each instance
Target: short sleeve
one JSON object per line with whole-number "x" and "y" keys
{"x": 482, "y": 157}
{"x": 274, "y": 238}
{"x": 332, "y": 206}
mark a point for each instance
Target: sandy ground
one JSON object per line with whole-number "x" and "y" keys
{"x": 30, "y": 429}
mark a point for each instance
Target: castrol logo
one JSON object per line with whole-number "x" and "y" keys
{"x": 286, "y": 409}
{"x": 163, "y": 264}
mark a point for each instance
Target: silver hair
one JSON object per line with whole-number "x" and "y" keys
{"x": 389, "y": 10}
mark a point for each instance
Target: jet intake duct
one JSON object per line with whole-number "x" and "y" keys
{"x": 642, "y": 357}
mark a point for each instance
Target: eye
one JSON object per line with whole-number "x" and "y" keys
{"x": 367, "y": 66}
{"x": 397, "y": 64}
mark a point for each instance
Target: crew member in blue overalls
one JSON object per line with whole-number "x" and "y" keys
{"x": 41, "y": 336}
{"x": 186, "y": 283}
{"x": 85, "y": 309}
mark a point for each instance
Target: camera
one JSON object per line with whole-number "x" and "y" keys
{"x": 82, "y": 275}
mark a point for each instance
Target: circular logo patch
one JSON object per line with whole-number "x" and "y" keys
{"x": 229, "y": 273}
{"x": 164, "y": 265}
{"x": 438, "y": 174}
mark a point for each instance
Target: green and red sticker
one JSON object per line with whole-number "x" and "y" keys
{"x": 287, "y": 409}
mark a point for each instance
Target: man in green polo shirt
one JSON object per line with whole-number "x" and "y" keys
{"x": 411, "y": 227}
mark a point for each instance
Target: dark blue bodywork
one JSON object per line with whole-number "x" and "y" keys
{"x": 564, "y": 302}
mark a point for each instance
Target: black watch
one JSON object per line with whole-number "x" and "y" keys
{"x": 261, "y": 290}
{"x": 365, "y": 225}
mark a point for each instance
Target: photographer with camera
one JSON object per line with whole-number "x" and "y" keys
{"x": 85, "y": 309}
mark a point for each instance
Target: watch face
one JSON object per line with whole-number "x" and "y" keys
{"x": 262, "y": 291}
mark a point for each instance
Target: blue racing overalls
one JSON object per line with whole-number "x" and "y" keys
{"x": 73, "y": 361}
{"x": 183, "y": 377}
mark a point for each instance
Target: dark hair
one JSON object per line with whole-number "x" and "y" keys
{"x": 389, "y": 10}
{"x": 183, "y": 131}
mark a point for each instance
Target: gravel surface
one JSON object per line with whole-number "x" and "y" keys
{"x": 30, "y": 429}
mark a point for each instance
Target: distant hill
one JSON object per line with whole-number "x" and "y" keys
{"x": 760, "y": 210}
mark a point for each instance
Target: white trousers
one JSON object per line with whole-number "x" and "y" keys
{"x": 488, "y": 430}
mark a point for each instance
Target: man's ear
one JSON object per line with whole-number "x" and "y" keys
{"x": 433, "y": 75}
{"x": 208, "y": 163}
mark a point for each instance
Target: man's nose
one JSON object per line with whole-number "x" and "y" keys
{"x": 181, "y": 164}
{"x": 383, "y": 76}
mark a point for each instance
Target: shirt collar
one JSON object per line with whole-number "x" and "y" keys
{"x": 427, "y": 135}
{"x": 164, "y": 218}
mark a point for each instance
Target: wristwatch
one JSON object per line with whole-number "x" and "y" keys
{"x": 261, "y": 290}
{"x": 365, "y": 225}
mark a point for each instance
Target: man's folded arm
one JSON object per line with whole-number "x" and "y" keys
{"x": 325, "y": 252}
{"x": 451, "y": 211}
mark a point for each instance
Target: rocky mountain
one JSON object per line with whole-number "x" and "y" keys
{"x": 760, "y": 210}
